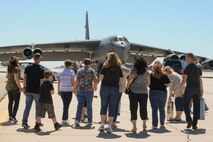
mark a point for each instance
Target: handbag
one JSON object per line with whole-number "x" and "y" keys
{"x": 202, "y": 109}
{"x": 127, "y": 91}
{"x": 170, "y": 106}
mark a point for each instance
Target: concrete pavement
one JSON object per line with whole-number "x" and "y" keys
{"x": 2, "y": 86}
{"x": 174, "y": 132}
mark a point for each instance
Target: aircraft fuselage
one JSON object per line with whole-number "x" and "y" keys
{"x": 118, "y": 44}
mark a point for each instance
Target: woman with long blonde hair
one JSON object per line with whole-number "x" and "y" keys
{"x": 176, "y": 81}
{"x": 110, "y": 76}
{"x": 158, "y": 94}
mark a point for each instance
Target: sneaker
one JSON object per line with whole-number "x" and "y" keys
{"x": 25, "y": 125}
{"x": 65, "y": 121}
{"x": 109, "y": 130}
{"x": 77, "y": 123}
{"x": 154, "y": 127}
{"x": 189, "y": 125}
{"x": 13, "y": 119}
{"x": 162, "y": 127}
{"x": 194, "y": 127}
{"x": 57, "y": 126}
{"x": 37, "y": 127}
{"x": 101, "y": 128}
{"x": 41, "y": 124}
{"x": 10, "y": 119}
{"x": 89, "y": 123}
{"x": 114, "y": 125}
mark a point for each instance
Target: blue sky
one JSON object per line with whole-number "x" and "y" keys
{"x": 181, "y": 25}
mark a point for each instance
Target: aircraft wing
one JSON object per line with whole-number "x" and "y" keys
{"x": 75, "y": 50}
{"x": 156, "y": 52}
{"x": 8, "y": 51}
{"x": 149, "y": 50}
{"x": 149, "y": 59}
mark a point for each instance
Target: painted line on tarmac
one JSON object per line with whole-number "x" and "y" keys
{"x": 2, "y": 100}
{"x": 3, "y": 116}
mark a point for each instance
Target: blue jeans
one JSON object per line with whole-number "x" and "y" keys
{"x": 117, "y": 106}
{"x": 66, "y": 98}
{"x": 158, "y": 102}
{"x": 109, "y": 97}
{"x": 28, "y": 103}
{"x": 192, "y": 93}
{"x": 83, "y": 96}
{"x": 13, "y": 105}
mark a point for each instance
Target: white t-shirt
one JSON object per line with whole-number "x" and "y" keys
{"x": 65, "y": 78}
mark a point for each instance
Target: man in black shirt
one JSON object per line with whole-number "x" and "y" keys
{"x": 194, "y": 89}
{"x": 33, "y": 76}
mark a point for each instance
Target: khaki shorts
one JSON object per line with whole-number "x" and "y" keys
{"x": 49, "y": 108}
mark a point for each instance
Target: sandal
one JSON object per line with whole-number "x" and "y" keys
{"x": 134, "y": 131}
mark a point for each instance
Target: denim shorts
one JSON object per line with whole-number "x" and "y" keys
{"x": 179, "y": 104}
{"x": 109, "y": 97}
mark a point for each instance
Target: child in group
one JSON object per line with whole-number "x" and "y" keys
{"x": 46, "y": 102}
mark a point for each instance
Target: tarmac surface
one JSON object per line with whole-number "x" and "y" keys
{"x": 174, "y": 131}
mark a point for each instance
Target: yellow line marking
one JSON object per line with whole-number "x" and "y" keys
{"x": 1, "y": 102}
{"x": 4, "y": 115}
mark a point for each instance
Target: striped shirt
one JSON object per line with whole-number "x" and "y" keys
{"x": 65, "y": 78}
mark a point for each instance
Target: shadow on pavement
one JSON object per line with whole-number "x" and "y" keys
{"x": 119, "y": 130}
{"x": 44, "y": 133}
{"x": 176, "y": 122}
{"x": 66, "y": 125}
{"x": 141, "y": 135}
{"x": 194, "y": 132}
{"x": 86, "y": 127}
{"x": 209, "y": 77}
{"x": 107, "y": 136}
{"x": 159, "y": 131}
{"x": 41, "y": 133}
{"x": 8, "y": 123}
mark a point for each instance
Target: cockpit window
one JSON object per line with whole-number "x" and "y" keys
{"x": 114, "y": 40}
{"x": 125, "y": 39}
{"x": 120, "y": 39}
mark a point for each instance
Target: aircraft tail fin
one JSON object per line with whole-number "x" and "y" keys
{"x": 87, "y": 36}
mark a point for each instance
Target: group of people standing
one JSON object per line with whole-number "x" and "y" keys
{"x": 113, "y": 76}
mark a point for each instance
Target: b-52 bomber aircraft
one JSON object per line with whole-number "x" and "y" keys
{"x": 95, "y": 50}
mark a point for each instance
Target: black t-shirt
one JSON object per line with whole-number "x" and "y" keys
{"x": 193, "y": 73}
{"x": 159, "y": 84}
{"x": 111, "y": 77}
{"x": 34, "y": 73}
{"x": 45, "y": 95}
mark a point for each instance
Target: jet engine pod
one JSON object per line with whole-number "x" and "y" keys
{"x": 182, "y": 57}
{"x": 37, "y": 50}
{"x": 171, "y": 57}
{"x": 28, "y": 53}
{"x": 208, "y": 64}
